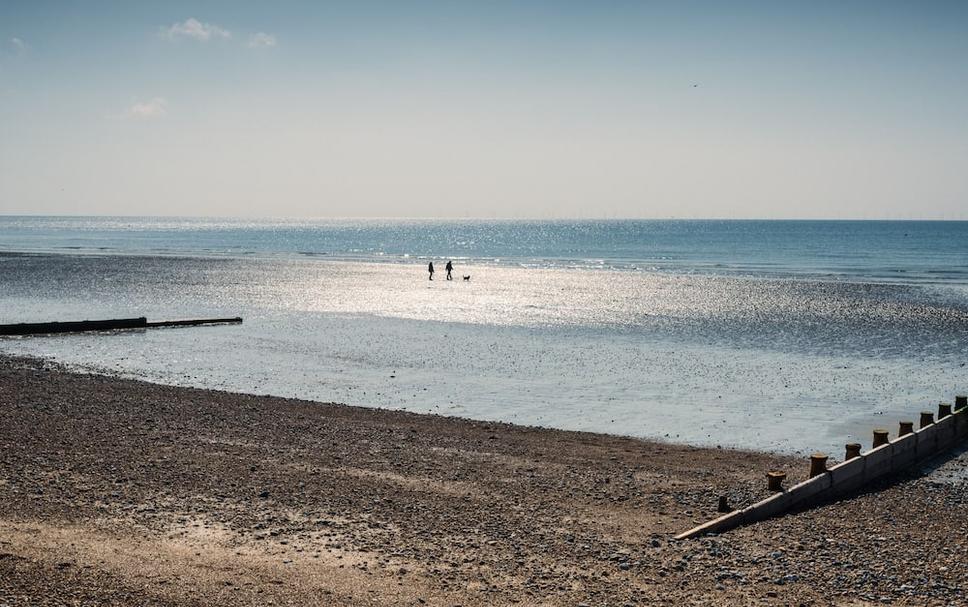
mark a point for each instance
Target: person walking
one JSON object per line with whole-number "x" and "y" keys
{"x": 430, "y": 268}
{"x": 450, "y": 268}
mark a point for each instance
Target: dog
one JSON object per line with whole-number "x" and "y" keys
{"x": 467, "y": 277}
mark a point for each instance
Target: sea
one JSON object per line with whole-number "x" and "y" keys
{"x": 785, "y": 336}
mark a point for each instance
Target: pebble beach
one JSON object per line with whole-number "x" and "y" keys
{"x": 121, "y": 492}
{"x": 483, "y": 304}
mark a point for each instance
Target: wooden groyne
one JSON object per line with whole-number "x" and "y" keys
{"x": 195, "y": 322}
{"x": 886, "y": 457}
{"x": 41, "y": 328}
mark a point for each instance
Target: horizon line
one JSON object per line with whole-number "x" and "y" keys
{"x": 480, "y": 218}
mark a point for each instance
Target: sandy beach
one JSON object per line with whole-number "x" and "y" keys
{"x": 120, "y": 492}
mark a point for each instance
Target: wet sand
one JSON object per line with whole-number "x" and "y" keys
{"x": 120, "y": 492}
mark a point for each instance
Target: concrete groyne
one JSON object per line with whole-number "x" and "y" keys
{"x": 887, "y": 457}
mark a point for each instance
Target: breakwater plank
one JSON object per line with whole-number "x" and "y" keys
{"x": 39, "y": 328}
{"x": 42, "y": 328}
{"x": 884, "y": 460}
{"x": 195, "y": 322}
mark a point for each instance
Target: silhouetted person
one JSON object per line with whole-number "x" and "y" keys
{"x": 430, "y": 268}
{"x": 449, "y": 268}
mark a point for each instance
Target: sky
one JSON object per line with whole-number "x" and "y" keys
{"x": 485, "y": 109}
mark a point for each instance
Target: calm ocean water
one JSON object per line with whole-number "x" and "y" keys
{"x": 790, "y": 336}
{"x": 886, "y": 251}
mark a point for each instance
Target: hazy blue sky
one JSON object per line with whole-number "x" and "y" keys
{"x": 537, "y": 109}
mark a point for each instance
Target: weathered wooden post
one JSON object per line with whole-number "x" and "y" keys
{"x": 818, "y": 464}
{"x": 880, "y": 437}
{"x": 961, "y": 402}
{"x": 944, "y": 410}
{"x": 927, "y": 418}
{"x": 774, "y": 480}
{"x": 905, "y": 428}
{"x": 853, "y": 450}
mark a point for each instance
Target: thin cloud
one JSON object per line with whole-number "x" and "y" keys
{"x": 148, "y": 110}
{"x": 14, "y": 47}
{"x": 261, "y": 39}
{"x": 193, "y": 28}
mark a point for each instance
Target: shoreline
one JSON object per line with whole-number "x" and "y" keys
{"x": 118, "y": 491}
